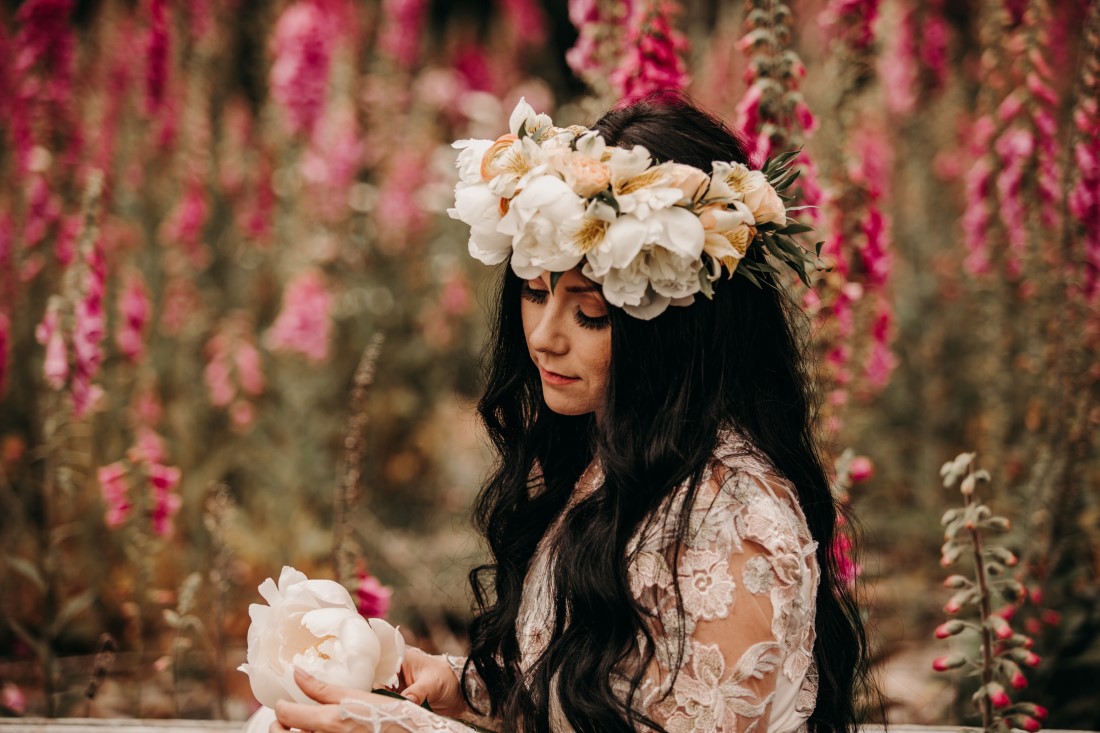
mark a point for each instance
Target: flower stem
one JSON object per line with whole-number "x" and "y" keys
{"x": 985, "y": 611}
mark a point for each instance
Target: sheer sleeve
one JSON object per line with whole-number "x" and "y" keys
{"x": 477, "y": 693}
{"x": 742, "y": 572}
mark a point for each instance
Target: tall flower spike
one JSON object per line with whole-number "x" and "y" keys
{"x": 652, "y": 52}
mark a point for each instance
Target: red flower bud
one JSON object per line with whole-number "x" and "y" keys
{"x": 954, "y": 582}
{"x": 1036, "y": 594}
{"x": 999, "y": 627}
{"x": 1026, "y": 722}
{"x": 860, "y": 469}
{"x": 997, "y": 695}
{"x": 950, "y": 628}
{"x": 1040, "y": 712}
{"x": 1006, "y": 612}
{"x": 1032, "y": 659}
{"x": 1033, "y": 626}
{"x": 1051, "y": 617}
{"x": 951, "y": 661}
{"x": 1018, "y": 680}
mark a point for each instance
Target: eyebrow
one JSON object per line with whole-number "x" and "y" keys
{"x": 582, "y": 288}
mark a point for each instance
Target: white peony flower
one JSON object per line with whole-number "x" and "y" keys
{"x": 314, "y": 624}
{"x": 476, "y": 206}
{"x": 469, "y": 158}
{"x": 540, "y": 220}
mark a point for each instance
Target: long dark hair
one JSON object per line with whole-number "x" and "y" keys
{"x": 675, "y": 382}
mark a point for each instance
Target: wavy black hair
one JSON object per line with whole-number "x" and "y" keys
{"x": 675, "y": 382}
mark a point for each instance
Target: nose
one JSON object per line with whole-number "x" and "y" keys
{"x": 548, "y": 336}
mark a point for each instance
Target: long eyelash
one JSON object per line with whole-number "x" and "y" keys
{"x": 596, "y": 323}
{"x": 535, "y": 296}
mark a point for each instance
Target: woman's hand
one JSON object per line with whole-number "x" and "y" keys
{"x": 429, "y": 677}
{"x": 344, "y": 710}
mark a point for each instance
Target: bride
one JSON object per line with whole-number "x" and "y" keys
{"x": 659, "y": 520}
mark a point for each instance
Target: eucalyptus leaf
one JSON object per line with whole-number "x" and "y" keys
{"x": 796, "y": 227}
{"x": 554, "y": 277}
{"x": 28, "y": 571}
{"x": 73, "y": 607}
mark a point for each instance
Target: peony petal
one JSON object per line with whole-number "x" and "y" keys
{"x": 261, "y": 721}
{"x": 319, "y": 593}
{"x": 289, "y": 576}
{"x": 651, "y": 306}
{"x": 392, "y": 652}
{"x": 622, "y": 243}
{"x": 266, "y": 685}
{"x": 469, "y": 159}
{"x": 270, "y": 592}
{"x": 678, "y": 230}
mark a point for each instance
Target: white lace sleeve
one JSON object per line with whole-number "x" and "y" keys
{"x": 743, "y": 574}
{"x": 476, "y": 692}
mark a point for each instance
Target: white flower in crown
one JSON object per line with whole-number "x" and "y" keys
{"x": 552, "y": 199}
{"x": 539, "y": 221}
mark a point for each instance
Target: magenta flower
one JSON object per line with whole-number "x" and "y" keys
{"x": 115, "y": 487}
{"x": 185, "y": 224}
{"x": 89, "y": 324}
{"x": 526, "y": 21}
{"x": 372, "y": 598}
{"x": 156, "y": 75}
{"x": 218, "y": 372}
{"x": 56, "y": 365}
{"x": 304, "y": 37}
{"x": 400, "y": 36}
{"x": 860, "y": 469}
{"x": 652, "y": 52}
{"x": 850, "y": 22}
{"x": 847, "y": 569}
{"x": 133, "y": 315}
{"x": 303, "y": 324}
{"x": 5, "y": 327}
{"x": 166, "y": 502}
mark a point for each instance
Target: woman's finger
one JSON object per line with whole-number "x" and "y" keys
{"x": 321, "y": 691}
{"x": 306, "y": 717}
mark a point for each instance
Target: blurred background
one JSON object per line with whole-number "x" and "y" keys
{"x": 238, "y": 330}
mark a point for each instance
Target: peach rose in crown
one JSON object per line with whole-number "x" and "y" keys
{"x": 738, "y": 182}
{"x": 587, "y": 177}
{"x": 314, "y": 624}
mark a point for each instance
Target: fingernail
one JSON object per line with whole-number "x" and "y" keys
{"x": 298, "y": 670}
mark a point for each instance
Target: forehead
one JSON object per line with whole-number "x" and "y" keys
{"x": 571, "y": 281}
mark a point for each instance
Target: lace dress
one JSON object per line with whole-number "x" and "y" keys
{"x": 748, "y": 577}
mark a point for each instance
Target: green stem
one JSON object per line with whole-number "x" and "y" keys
{"x": 985, "y": 611}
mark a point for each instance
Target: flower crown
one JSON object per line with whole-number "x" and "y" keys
{"x": 650, "y": 235}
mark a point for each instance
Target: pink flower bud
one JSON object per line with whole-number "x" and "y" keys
{"x": 951, "y": 661}
{"x": 1026, "y": 722}
{"x": 949, "y": 629}
{"x": 997, "y": 695}
{"x": 1039, "y": 711}
{"x": 954, "y": 582}
{"x": 1018, "y": 681}
{"x": 860, "y": 469}
{"x": 1051, "y": 617}
{"x": 952, "y": 606}
{"x": 1032, "y": 659}
{"x": 1000, "y": 628}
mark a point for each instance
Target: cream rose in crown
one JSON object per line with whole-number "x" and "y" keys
{"x": 314, "y": 625}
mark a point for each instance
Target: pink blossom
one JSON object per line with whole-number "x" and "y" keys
{"x": 5, "y": 327}
{"x": 133, "y": 315}
{"x": 584, "y": 58}
{"x": 250, "y": 374}
{"x": 116, "y": 488}
{"x": 181, "y": 301}
{"x": 975, "y": 219}
{"x": 652, "y": 56}
{"x": 898, "y": 67}
{"x": 242, "y": 414}
{"x": 304, "y": 37}
{"x": 147, "y": 448}
{"x": 933, "y": 43}
{"x": 850, "y": 22}
{"x": 400, "y": 36}
{"x": 373, "y": 597}
{"x": 45, "y": 40}
{"x": 218, "y": 372}
{"x": 43, "y": 210}
{"x": 526, "y": 20}
{"x": 12, "y": 698}
{"x": 1015, "y": 148}
{"x": 156, "y": 74}
{"x": 166, "y": 503}
{"x": 847, "y": 569}
{"x": 48, "y": 332}
{"x": 860, "y": 469}
{"x": 185, "y": 224}
{"x": 881, "y": 362}
{"x": 89, "y": 324}
{"x": 333, "y": 159}
{"x": 398, "y": 198}
{"x": 303, "y": 324}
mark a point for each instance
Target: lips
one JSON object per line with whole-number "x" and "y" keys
{"x": 555, "y": 379}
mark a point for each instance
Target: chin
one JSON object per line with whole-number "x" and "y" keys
{"x": 564, "y": 407}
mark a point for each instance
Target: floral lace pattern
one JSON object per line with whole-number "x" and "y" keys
{"x": 747, "y": 578}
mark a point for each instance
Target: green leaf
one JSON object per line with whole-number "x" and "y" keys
{"x": 787, "y": 181}
{"x": 73, "y": 607}
{"x": 28, "y": 571}
{"x": 795, "y": 227}
{"x": 554, "y": 277}
{"x": 748, "y": 273}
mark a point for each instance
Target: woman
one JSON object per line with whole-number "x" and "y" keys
{"x": 659, "y": 520}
